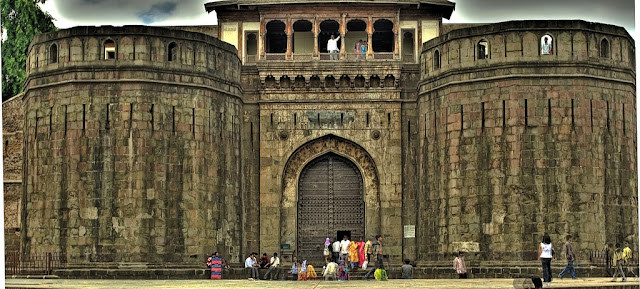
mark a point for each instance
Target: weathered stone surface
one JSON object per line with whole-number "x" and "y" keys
{"x": 142, "y": 159}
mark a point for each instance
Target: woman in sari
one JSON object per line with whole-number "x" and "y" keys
{"x": 353, "y": 254}
{"x": 361, "y": 257}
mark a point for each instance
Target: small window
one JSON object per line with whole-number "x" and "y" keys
{"x": 483, "y": 49}
{"x": 604, "y": 48}
{"x": 436, "y": 60}
{"x": 546, "y": 43}
{"x": 53, "y": 53}
{"x": 173, "y": 52}
{"x": 109, "y": 49}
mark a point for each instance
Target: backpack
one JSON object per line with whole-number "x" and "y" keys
{"x": 381, "y": 274}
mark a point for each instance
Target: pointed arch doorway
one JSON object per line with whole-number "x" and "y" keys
{"x": 330, "y": 204}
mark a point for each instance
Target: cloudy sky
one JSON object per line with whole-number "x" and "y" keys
{"x": 70, "y": 13}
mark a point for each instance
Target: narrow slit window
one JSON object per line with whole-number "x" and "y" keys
{"x": 607, "y": 116}
{"x": 526, "y": 114}
{"x": 549, "y": 112}
{"x": 483, "y": 49}
{"x": 572, "y": 115}
{"x": 106, "y": 125}
{"x": 591, "y": 113}
{"x": 482, "y": 112}
{"x": 504, "y": 113}
{"x": 624, "y": 123}
{"x": 436, "y": 60}
{"x": 152, "y": 124}
{"x": 173, "y": 120}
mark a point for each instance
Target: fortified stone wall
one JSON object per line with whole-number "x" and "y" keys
{"x": 132, "y": 149}
{"x": 521, "y": 143}
{"x": 12, "y": 123}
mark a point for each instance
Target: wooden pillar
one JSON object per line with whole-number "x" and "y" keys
{"x": 343, "y": 33}
{"x": 289, "y": 31}
{"x": 316, "y": 31}
{"x": 263, "y": 36}
{"x": 370, "y": 38}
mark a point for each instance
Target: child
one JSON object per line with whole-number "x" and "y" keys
{"x": 303, "y": 271}
{"x": 363, "y": 50}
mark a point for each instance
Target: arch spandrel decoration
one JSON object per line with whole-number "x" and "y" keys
{"x": 312, "y": 150}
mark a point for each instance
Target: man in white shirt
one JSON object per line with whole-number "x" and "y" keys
{"x": 332, "y": 47}
{"x": 344, "y": 248}
{"x": 251, "y": 264}
{"x": 274, "y": 263}
{"x": 335, "y": 248}
{"x": 331, "y": 271}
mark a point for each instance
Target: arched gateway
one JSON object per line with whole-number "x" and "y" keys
{"x": 330, "y": 188}
{"x": 330, "y": 204}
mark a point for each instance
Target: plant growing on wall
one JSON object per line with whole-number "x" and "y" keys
{"x": 21, "y": 21}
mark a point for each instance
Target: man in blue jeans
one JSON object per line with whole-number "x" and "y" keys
{"x": 571, "y": 257}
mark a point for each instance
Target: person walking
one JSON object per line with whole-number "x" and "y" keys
{"x": 545, "y": 253}
{"x": 618, "y": 263}
{"x": 571, "y": 257}
{"x": 344, "y": 248}
{"x": 377, "y": 257}
{"x": 460, "y": 266}
{"x": 361, "y": 253}
{"x": 274, "y": 264}
{"x": 353, "y": 254}
{"x": 332, "y": 47}
{"x": 335, "y": 248}
{"x": 326, "y": 252}
{"x": 251, "y": 264}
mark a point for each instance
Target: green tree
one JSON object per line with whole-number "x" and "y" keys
{"x": 21, "y": 21}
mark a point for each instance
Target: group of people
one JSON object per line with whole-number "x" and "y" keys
{"x": 360, "y": 49}
{"x": 272, "y": 264}
{"x": 546, "y": 253}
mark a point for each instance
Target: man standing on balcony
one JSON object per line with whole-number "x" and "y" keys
{"x": 332, "y": 47}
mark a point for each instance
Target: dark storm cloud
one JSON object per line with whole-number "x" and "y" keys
{"x": 157, "y": 12}
{"x": 616, "y": 12}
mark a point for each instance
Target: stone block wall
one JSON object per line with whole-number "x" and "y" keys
{"x": 12, "y": 122}
{"x": 135, "y": 158}
{"x": 522, "y": 144}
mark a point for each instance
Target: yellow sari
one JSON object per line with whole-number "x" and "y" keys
{"x": 353, "y": 252}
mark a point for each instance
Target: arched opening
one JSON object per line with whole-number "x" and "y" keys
{"x": 251, "y": 46}
{"x": 285, "y": 81}
{"x": 483, "y": 49}
{"x": 300, "y": 81}
{"x": 436, "y": 60}
{"x": 172, "y": 52}
{"x": 389, "y": 81}
{"x": 314, "y": 81}
{"x": 270, "y": 82}
{"x": 327, "y": 29}
{"x": 356, "y": 36}
{"x": 407, "y": 46}
{"x": 302, "y": 37}
{"x": 374, "y": 81}
{"x": 330, "y": 201}
{"x": 359, "y": 81}
{"x": 329, "y": 81}
{"x": 276, "y": 37}
{"x": 53, "y": 53}
{"x": 546, "y": 44}
{"x": 383, "y": 38}
{"x": 604, "y": 48}
{"x": 109, "y": 49}
{"x": 345, "y": 81}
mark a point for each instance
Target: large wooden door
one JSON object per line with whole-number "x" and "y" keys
{"x": 330, "y": 199}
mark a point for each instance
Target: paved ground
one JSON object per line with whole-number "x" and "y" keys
{"x": 430, "y": 283}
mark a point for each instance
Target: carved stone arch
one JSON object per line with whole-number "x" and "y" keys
{"x": 312, "y": 150}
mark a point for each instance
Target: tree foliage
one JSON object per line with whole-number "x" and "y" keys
{"x": 21, "y": 21}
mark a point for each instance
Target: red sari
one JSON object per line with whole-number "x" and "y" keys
{"x": 361, "y": 253}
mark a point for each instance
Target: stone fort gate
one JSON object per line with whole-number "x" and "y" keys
{"x": 330, "y": 189}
